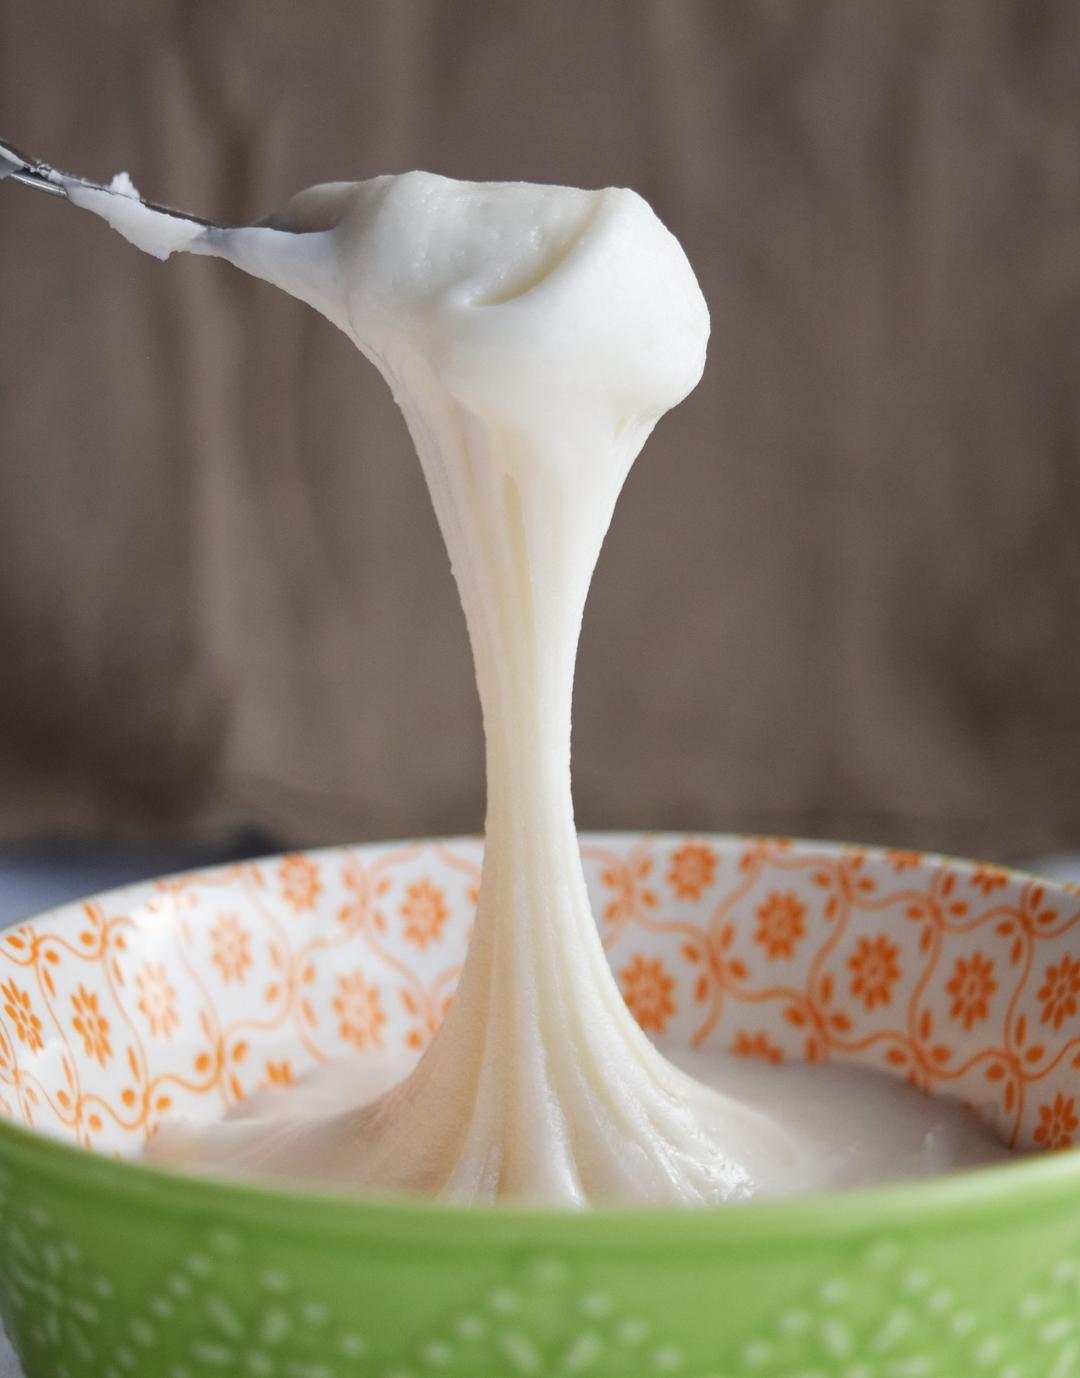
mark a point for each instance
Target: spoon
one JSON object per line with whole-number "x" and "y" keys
{"x": 34, "y": 173}
{"x": 164, "y": 230}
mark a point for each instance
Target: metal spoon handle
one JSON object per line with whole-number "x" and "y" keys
{"x": 31, "y": 172}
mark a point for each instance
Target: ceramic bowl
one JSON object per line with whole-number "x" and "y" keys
{"x": 180, "y": 996}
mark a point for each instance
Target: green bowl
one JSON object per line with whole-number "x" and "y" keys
{"x": 180, "y": 996}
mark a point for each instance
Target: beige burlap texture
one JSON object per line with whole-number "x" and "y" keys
{"x": 841, "y": 591}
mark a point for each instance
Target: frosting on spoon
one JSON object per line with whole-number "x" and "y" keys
{"x": 532, "y": 337}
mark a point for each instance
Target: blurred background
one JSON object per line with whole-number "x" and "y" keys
{"x": 840, "y": 594}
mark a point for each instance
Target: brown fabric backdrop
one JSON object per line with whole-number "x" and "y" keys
{"x": 841, "y": 592}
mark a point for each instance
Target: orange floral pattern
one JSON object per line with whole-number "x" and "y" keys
{"x": 971, "y": 988}
{"x": 425, "y": 913}
{"x": 427, "y": 1013}
{"x": 649, "y": 991}
{"x": 756, "y": 1045}
{"x": 358, "y": 1005}
{"x": 876, "y": 971}
{"x": 232, "y": 948}
{"x": 720, "y": 968}
{"x": 630, "y": 895}
{"x": 1057, "y": 1123}
{"x": 300, "y": 884}
{"x": 989, "y": 878}
{"x": 913, "y": 965}
{"x": 157, "y": 1000}
{"x": 780, "y": 924}
{"x": 91, "y": 1025}
{"x": 692, "y": 870}
{"x": 1059, "y": 992}
{"x": 17, "y": 1008}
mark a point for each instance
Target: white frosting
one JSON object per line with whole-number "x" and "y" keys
{"x": 858, "y": 1127}
{"x": 532, "y": 337}
{"x": 152, "y": 231}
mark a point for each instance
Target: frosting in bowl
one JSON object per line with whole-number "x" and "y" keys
{"x": 532, "y": 337}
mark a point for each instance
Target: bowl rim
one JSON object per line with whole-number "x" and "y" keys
{"x": 1028, "y": 1186}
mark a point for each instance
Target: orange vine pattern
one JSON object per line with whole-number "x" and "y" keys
{"x": 182, "y": 996}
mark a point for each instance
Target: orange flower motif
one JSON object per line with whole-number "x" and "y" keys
{"x": 720, "y": 968}
{"x": 780, "y": 923}
{"x": 756, "y": 1045}
{"x": 27, "y": 1024}
{"x": 429, "y": 1014}
{"x": 693, "y": 868}
{"x": 971, "y": 987}
{"x": 91, "y": 1025}
{"x": 157, "y": 1000}
{"x": 1061, "y": 986}
{"x": 847, "y": 880}
{"x": 424, "y": 912}
{"x": 1057, "y": 1123}
{"x": 279, "y": 1073}
{"x": 989, "y": 878}
{"x": 631, "y": 895}
{"x": 359, "y": 1008}
{"x": 300, "y": 883}
{"x": 648, "y": 990}
{"x": 232, "y": 949}
{"x": 876, "y": 970}
{"x": 762, "y": 849}
{"x": 903, "y": 861}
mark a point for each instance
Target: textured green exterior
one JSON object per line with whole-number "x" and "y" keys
{"x": 113, "y": 1270}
